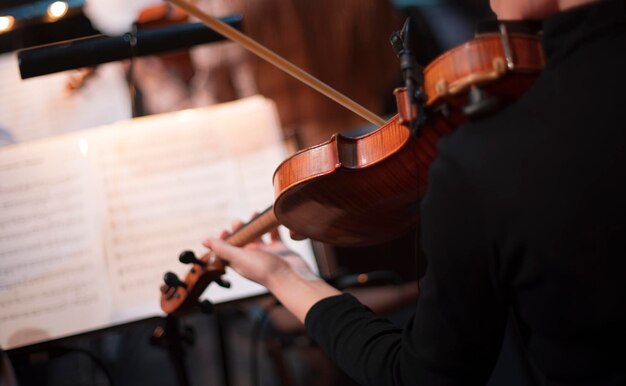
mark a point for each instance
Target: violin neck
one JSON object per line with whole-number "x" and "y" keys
{"x": 254, "y": 229}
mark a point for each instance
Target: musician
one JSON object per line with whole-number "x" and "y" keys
{"x": 525, "y": 212}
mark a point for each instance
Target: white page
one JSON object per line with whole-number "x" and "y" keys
{"x": 40, "y": 107}
{"x": 52, "y": 280}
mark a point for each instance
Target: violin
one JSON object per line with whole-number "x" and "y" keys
{"x": 366, "y": 190}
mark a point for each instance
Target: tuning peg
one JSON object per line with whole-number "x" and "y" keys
{"x": 222, "y": 283}
{"x": 188, "y": 257}
{"x": 206, "y": 307}
{"x": 174, "y": 281}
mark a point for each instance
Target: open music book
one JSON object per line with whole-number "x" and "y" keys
{"x": 90, "y": 221}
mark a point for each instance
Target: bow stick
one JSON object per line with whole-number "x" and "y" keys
{"x": 278, "y": 61}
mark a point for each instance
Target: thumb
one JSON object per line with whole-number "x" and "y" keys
{"x": 222, "y": 249}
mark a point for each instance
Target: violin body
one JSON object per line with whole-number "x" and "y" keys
{"x": 365, "y": 190}
{"x": 351, "y": 191}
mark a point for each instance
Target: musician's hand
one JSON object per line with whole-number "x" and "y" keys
{"x": 259, "y": 261}
{"x": 278, "y": 269}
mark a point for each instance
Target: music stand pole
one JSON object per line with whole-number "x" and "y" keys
{"x": 173, "y": 338}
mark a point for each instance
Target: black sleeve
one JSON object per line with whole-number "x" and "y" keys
{"x": 456, "y": 332}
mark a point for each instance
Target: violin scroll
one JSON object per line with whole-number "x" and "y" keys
{"x": 180, "y": 296}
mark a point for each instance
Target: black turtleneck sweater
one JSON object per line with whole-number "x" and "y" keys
{"x": 526, "y": 211}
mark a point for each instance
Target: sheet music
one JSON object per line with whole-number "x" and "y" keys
{"x": 90, "y": 221}
{"x": 51, "y": 257}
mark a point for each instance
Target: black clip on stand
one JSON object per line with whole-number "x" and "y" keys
{"x": 174, "y": 336}
{"x": 412, "y": 74}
